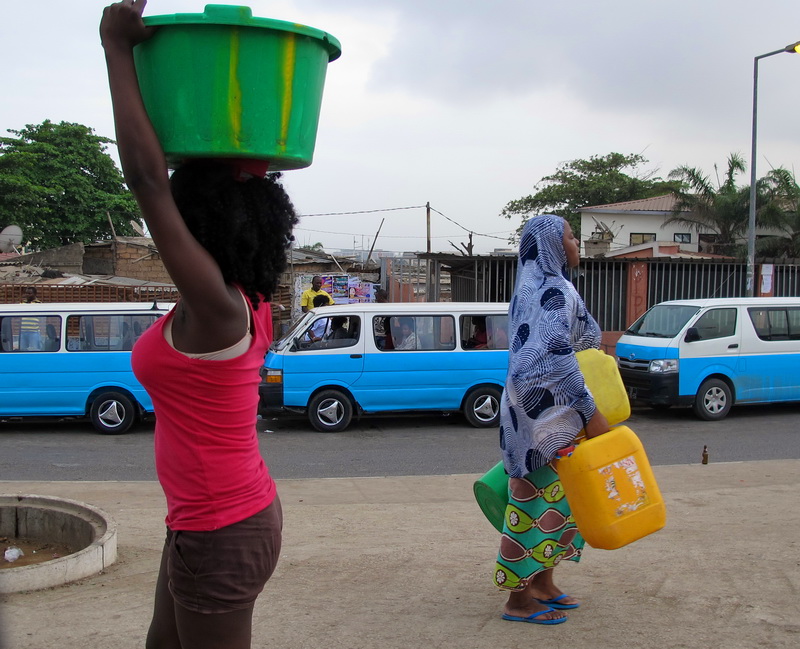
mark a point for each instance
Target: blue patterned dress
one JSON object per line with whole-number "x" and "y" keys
{"x": 545, "y": 405}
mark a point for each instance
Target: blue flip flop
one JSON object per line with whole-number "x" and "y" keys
{"x": 532, "y": 619}
{"x": 554, "y": 603}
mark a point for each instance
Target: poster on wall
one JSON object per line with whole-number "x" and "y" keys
{"x": 343, "y": 289}
{"x": 360, "y": 292}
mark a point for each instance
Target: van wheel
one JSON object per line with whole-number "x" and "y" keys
{"x": 330, "y": 411}
{"x": 482, "y": 407}
{"x": 112, "y": 413}
{"x": 713, "y": 400}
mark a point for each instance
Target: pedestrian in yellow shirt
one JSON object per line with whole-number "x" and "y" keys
{"x": 307, "y": 298}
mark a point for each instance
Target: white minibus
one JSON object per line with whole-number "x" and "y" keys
{"x": 74, "y": 360}
{"x": 339, "y": 362}
{"x": 711, "y": 354}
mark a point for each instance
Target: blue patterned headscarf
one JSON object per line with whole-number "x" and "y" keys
{"x": 542, "y": 243}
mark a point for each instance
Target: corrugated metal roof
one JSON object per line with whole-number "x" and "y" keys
{"x": 665, "y": 203}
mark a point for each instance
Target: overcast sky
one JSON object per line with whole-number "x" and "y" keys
{"x": 468, "y": 105}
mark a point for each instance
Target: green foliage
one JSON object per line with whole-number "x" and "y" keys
{"x": 721, "y": 209}
{"x": 60, "y": 186}
{"x": 780, "y": 211}
{"x": 582, "y": 183}
{"x": 317, "y": 247}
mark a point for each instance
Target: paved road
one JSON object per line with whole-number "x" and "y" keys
{"x": 438, "y": 445}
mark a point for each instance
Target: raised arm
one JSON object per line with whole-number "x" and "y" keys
{"x": 205, "y": 296}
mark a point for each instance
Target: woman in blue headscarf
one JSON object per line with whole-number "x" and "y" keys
{"x": 545, "y": 405}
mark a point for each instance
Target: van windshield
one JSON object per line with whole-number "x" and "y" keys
{"x": 663, "y": 321}
{"x": 294, "y": 331}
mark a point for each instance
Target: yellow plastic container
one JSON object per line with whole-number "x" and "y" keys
{"x": 611, "y": 489}
{"x": 601, "y": 375}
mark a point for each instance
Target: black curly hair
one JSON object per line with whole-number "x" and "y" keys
{"x": 245, "y": 225}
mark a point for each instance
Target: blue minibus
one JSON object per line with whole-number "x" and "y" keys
{"x": 713, "y": 353}
{"x": 74, "y": 360}
{"x": 339, "y": 362}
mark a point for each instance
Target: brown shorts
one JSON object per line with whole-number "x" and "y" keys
{"x": 226, "y": 569}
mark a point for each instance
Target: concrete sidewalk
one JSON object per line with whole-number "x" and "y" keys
{"x": 406, "y": 562}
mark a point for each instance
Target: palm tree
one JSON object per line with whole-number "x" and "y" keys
{"x": 721, "y": 209}
{"x": 780, "y": 211}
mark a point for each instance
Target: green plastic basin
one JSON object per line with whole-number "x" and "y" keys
{"x": 225, "y": 84}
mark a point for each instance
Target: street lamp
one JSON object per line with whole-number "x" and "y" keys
{"x": 751, "y": 223}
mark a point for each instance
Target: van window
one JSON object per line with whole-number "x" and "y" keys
{"x": 414, "y": 333}
{"x": 40, "y": 333}
{"x": 716, "y": 323}
{"x": 484, "y": 331}
{"x": 105, "y": 332}
{"x": 332, "y": 332}
{"x": 663, "y": 321}
{"x": 776, "y": 323}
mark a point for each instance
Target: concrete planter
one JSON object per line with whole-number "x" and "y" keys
{"x": 62, "y": 521}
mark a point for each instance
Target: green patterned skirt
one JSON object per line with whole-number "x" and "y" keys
{"x": 539, "y": 531}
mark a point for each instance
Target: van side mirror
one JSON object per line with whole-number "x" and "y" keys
{"x": 295, "y": 345}
{"x": 692, "y": 335}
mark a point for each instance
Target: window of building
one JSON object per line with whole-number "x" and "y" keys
{"x": 682, "y": 237}
{"x": 708, "y": 242}
{"x": 641, "y": 237}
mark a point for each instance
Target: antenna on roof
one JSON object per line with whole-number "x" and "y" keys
{"x": 604, "y": 231}
{"x": 137, "y": 227}
{"x": 10, "y": 238}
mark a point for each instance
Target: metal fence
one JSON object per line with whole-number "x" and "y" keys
{"x": 13, "y": 293}
{"x": 686, "y": 280}
{"x": 786, "y": 280}
{"x": 603, "y": 284}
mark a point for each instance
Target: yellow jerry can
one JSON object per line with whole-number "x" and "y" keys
{"x": 611, "y": 489}
{"x": 602, "y": 378}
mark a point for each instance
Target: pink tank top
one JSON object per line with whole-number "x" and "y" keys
{"x": 206, "y": 447}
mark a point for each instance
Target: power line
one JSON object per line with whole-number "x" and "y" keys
{"x": 386, "y": 209}
{"x": 383, "y": 236}
{"x": 477, "y": 234}
{"x": 395, "y": 209}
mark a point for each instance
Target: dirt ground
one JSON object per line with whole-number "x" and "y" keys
{"x": 406, "y": 562}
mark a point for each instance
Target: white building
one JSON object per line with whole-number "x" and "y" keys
{"x": 608, "y": 228}
{"x": 616, "y": 226}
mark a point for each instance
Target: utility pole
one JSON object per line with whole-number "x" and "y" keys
{"x": 428, "y": 217}
{"x": 428, "y": 268}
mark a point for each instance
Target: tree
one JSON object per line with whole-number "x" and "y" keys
{"x": 780, "y": 211}
{"x": 722, "y": 209}
{"x": 317, "y": 247}
{"x": 60, "y": 186}
{"x": 581, "y": 183}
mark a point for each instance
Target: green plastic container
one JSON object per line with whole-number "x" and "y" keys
{"x": 224, "y": 84}
{"x": 491, "y": 493}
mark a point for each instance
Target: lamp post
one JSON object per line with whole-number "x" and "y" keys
{"x": 751, "y": 222}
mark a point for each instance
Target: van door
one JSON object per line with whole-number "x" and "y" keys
{"x": 713, "y": 349}
{"x": 414, "y": 367}
{"x": 770, "y": 354}
{"x": 327, "y": 352}
{"x": 27, "y": 365}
